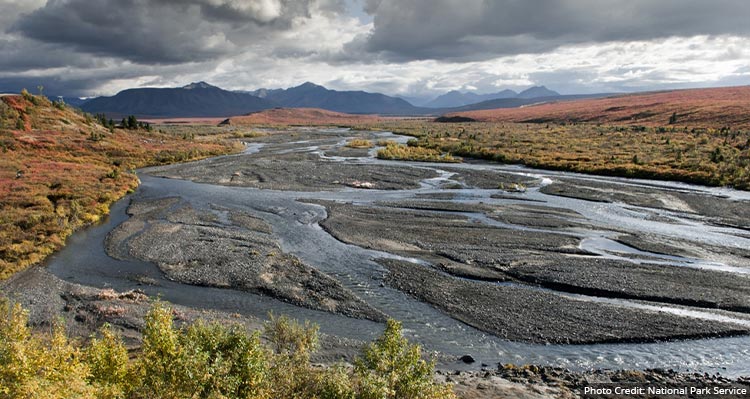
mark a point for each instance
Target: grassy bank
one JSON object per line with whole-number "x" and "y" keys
{"x": 717, "y": 157}
{"x": 204, "y": 360}
{"x": 61, "y": 169}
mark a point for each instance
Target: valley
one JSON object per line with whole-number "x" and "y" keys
{"x": 506, "y": 276}
{"x": 380, "y": 199}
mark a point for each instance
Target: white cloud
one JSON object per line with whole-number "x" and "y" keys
{"x": 315, "y": 44}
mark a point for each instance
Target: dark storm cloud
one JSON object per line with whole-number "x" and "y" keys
{"x": 23, "y": 55}
{"x": 53, "y": 85}
{"x": 477, "y": 29}
{"x": 158, "y": 31}
{"x": 81, "y": 81}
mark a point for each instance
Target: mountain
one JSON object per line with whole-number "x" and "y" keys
{"x": 521, "y": 102}
{"x": 310, "y": 95}
{"x": 198, "y": 99}
{"x": 262, "y": 93}
{"x": 711, "y": 108}
{"x": 456, "y": 98}
{"x": 537, "y": 92}
{"x": 418, "y": 100}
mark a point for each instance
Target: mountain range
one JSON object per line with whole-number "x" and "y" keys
{"x": 204, "y": 100}
{"x": 310, "y": 95}
{"x": 456, "y": 98}
{"x": 196, "y": 99}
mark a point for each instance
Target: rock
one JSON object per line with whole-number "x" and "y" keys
{"x": 468, "y": 359}
{"x": 361, "y": 184}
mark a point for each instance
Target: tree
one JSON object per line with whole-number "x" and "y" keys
{"x": 673, "y": 118}
{"x": 132, "y": 122}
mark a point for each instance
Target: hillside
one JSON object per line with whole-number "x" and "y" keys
{"x": 194, "y": 100}
{"x": 310, "y": 95}
{"x": 299, "y": 116}
{"x": 715, "y": 108}
{"x": 60, "y": 170}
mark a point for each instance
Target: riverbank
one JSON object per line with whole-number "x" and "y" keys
{"x": 85, "y": 309}
{"x": 710, "y": 156}
{"x": 61, "y": 170}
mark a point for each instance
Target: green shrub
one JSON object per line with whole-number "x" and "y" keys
{"x": 204, "y": 360}
{"x": 164, "y": 368}
{"x": 392, "y": 368}
{"x": 292, "y": 344}
{"x": 107, "y": 359}
{"x": 227, "y": 362}
{"x": 38, "y": 366}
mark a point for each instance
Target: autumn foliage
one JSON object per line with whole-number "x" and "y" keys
{"x": 204, "y": 360}
{"x": 695, "y": 108}
{"x": 710, "y": 156}
{"x": 60, "y": 170}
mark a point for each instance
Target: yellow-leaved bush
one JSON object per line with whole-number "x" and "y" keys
{"x": 204, "y": 360}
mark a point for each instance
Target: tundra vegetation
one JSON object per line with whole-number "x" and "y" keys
{"x": 413, "y": 152}
{"x": 204, "y": 360}
{"x": 359, "y": 143}
{"x": 61, "y": 169}
{"x": 710, "y": 156}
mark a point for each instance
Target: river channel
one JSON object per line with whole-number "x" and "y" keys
{"x": 629, "y": 223}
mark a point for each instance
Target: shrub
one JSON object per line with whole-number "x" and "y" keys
{"x": 27, "y": 96}
{"x": 412, "y": 153}
{"x": 205, "y": 360}
{"x": 108, "y": 363}
{"x": 392, "y": 368}
{"x": 38, "y": 367}
{"x": 359, "y": 143}
{"x": 292, "y": 344}
{"x": 227, "y": 362}
{"x": 163, "y": 366}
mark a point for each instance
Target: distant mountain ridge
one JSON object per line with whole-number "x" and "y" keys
{"x": 537, "y": 92}
{"x": 310, "y": 95}
{"x": 198, "y": 99}
{"x": 201, "y": 99}
{"x": 455, "y": 98}
{"x": 522, "y": 102}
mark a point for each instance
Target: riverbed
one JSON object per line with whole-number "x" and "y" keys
{"x": 504, "y": 263}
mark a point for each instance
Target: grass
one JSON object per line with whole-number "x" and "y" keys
{"x": 60, "y": 171}
{"x": 359, "y": 143}
{"x": 400, "y": 152}
{"x": 717, "y": 157}
{"x": 203, "y": 360}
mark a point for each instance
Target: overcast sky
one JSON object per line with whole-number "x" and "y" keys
{"x": 399, "y": 47}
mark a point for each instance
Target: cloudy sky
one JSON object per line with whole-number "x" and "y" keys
{"x": 415, "y": 48}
